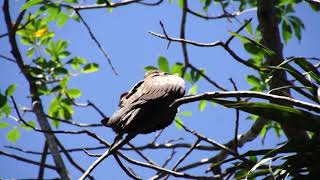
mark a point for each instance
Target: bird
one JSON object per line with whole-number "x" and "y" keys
{"x": 144, "y": 109}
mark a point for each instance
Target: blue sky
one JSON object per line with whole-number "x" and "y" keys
{"x": 124, "y": 35}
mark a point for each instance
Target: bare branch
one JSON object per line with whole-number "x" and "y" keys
{"x": 236, "y": 130}
{"x": 128, "y": 172}
{"x": 184, "y": 156}
{"x": 43, "y": 160}
{"x": 223, "y": 15}
{"x": 27, "y": 160}
{"x": 97, "y": 42}
{"x": 252, "y": 94}
{"x": 7, "y": 58}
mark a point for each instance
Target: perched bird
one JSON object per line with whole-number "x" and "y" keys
{"x": 144, "y": 109}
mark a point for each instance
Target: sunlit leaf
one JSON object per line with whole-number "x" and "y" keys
{"x": 163, "y": 64}
{"x": 90, "y": 68}
{"x": 31, "y": 3}
{"x": 30, "y": 52}
{"x": 177, "y": 69}
{"x": 13, "y": 135}
{"x": 10, "y": 90}
{"x": 74, "y": 93}
{"x": 41, "y": 32}
{"x": 180, "y": 3}
{"x": 193, "y": 89}
{"x": 6, "y": 109}
{"x": 76, "y": 62}
{"x": 186, "y": 113}
{"x": 62, "y": 19}
{"x": 53, "y": 12}
{"x": 4, "y": 125}
{"x": 202, "y": 105}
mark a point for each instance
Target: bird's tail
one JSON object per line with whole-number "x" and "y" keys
{"x": 105, "y": 122}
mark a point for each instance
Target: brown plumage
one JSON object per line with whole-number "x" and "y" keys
{"x": 145, "y": 108}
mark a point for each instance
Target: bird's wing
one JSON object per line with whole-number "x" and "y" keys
{"x": 161, "y": 86}
{"x": 156, "y": 87}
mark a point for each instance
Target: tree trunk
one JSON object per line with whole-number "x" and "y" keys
{"x": 269, "y": 27}
{"x": 36, "y": 101}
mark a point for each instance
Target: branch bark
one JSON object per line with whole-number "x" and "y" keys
{"x": 271, "y": 38}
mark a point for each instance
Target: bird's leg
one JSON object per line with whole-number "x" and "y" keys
{"x": 117, "y": 143}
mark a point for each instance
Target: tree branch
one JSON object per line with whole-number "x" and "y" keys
{"x": 36, "y": 101}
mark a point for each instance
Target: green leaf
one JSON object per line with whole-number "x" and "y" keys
{"x": 202, "y": 105}
{"x": 62, "y": 19}
{"x": 30, "y": 4}
{"x": 253, "y": 80}
{"x": 193, "y": 89}
{"x": 187, "y": 76}
{"x": 13, "y": 135}
{"x": 30, "y": 123}
{"x": 149, "y": 68}
{"x": 295, "y": 117}
{"x": 3, "y": 124}
{"x": 6, "y": 109}
{"x": 177, "y": 68}
{"x": 261, "y": 162}
{"x": 74, "y": 93}
{"x": 252, "y": 48}
{"x": 286, "y": 31}
{"x": 76, "y": 62}
{"x": 10, "y": 90}
{"x": 249, "y": 40}
{"x": 53, "y": 12}
{"x": 249, "y": 27}
{"x": 3, "y": 100}
{"x": 186, "y": 113}
{"x": 297, "y": 25}
{"x": 90, "y": 68}
{"x": 180, "y": 3}
{"x": 309, "y": 68}
{"x": 163, "y": 64}
{"x": 178, "y": 122}
{"x": 30, "y": 52}
{"x": 54, "y": 106}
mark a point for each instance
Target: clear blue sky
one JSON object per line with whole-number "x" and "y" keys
{"x": 124, "y": 34}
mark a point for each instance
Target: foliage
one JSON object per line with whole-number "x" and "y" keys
{"x": 50, "y": 64}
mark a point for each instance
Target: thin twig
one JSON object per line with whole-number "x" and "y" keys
{"x": 224, "y": 15}
{"x": 236, "y": 130}
{"x": 184, "y": 157}
{"x": 71, "y": 160}
{"x": 27, "y": 160}
{"x": 97, "y": 42}
{"x": 141, "y": 154}
{"x": 7, "y": 58}
{"x": 128, "y": 172}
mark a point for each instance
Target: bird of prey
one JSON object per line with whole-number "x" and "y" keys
{"x": 144, "y": 109}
